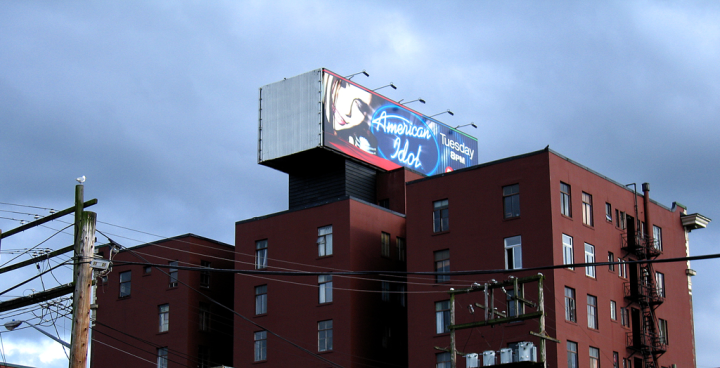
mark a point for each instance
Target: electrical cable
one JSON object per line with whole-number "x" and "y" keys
{"x": 319, "y": 357}
{"x": 4, "y": 264}
{"x": 429, "y": 273}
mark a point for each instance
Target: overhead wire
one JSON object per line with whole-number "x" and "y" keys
{"x": 50, "y": 237}
{"x": 317, "y": 356}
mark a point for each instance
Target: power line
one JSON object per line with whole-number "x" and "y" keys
{"x": 247, "y": 319}
{"x": 426, "y": 273}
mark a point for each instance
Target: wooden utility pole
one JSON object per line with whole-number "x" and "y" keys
{"x": 82, "y": 276}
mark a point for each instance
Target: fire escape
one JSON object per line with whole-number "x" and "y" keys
{"x": 644, "y": 295}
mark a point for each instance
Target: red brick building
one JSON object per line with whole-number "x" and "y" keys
{"x": 148, "y": 315}
{"x": 542, "y": 209}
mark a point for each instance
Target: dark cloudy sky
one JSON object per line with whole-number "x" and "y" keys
{"x": 155, "y": 102}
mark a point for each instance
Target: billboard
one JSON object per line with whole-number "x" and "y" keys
{"x": 374, "y": 129}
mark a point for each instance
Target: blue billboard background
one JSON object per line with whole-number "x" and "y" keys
{"x": 370, "y": 127}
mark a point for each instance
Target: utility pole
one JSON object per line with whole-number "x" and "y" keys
{"x": 82, "y": 277}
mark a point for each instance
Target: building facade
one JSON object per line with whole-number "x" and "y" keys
{"x": 149, "y": 314}
{"x": 542, "y": 209}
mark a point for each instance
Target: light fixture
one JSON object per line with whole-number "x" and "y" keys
{"x": 389, "y": 85}
{"x": 464, "y": 125}
{"x": 405, "y": 103}
{"x": 440, "y": 113}
{"x": 362, "y": 72}
{"x": 15, "y": 324}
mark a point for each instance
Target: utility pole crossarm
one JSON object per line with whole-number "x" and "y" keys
{"x": 37, "y": 297}
{"x": 45, "y": 219}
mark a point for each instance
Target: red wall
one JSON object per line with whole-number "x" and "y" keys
{"x": 358, "y": 314}
{"x": 137, "y": 315}
{"x": 475, "y": 240}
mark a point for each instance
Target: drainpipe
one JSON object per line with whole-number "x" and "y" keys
{"x": 646, "y": 205}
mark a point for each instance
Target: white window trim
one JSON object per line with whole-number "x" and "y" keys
{"x": 590, "y": 258}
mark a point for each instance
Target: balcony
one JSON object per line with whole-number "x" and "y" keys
{"x": 643, "y": 247}
{"x": 642, "y": 293}
{"x": 646, "y": 342}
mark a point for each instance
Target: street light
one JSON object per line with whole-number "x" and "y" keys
{"x": 15, "y": 324}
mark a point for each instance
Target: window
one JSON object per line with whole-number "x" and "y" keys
{"x": 205, "y": 274}
{"x": 565, "y": 206}
{"x": 613, "y": 310}
{"x": 622, "y": 268}
{"x": 511, "y": 201}
{"x": 441, "y": 219}
{"x": 400, "y": 244}
{"x": 513, "y": 309}
{"x": 324, "y": 241}
{"x": 662, "y": 331}
{"x": 385, "y": 294}
{"x": 261, "y": 253}
{"x": 626, "y": 363}
{"x": 203, "y": 357}
{"x": 162, "y": 357}
{"x": 204, "y": 319}
{"x": 608, "y": 212}
{"x": 173, "y": 272}
{"x": 568, "y": 252}
{"x": 402, "y": 290}
{"x": 513, "y": 253}
{"x": 325, "y": 335}
{"x": 587, "y": 209}
{"x": 442, "y": 316}
{"x": 125, "y": 283}
{"x": 594, "y": 357}
{"x": 616, "y": 360}
{"x": 621, "y": 219}
{"x": 260, "y": 346}
{"x": 660, "y": 284}
{"x": 325, "y": 288}
{"x": 657, "y": 237}
{"x": 572, "y": 354}
{"x": 147, "y": 270}
{"x": 384, "y": 244}
{"x": 570, "y": 314}
{"x": 442, "y": 264}
{"x": 261, "y": 299}
{"x": 611, "y": 259}
{"x": 592, "y": 312}
{"x": 164, "y": 317}
{"x": 589, "y": 258}
{"x": 442, "y": 360}
{"x": 384, "y": 203}
{"x": 624, "y": 317}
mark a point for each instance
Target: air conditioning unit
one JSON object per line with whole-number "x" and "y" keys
{"x": 471, "y": 360}
{"x": 488, "y": 358}
{"x": 526, "y": 352}
{"x": 506, "y": 355}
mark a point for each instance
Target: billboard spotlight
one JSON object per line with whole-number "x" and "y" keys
{"x": 354, "y": 74}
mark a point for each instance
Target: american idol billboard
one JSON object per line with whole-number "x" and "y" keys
{"x": 374, "y": 129}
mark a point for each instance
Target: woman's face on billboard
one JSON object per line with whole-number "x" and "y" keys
{"x": 351, "y": 105}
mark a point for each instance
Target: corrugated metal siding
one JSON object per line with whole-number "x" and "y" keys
{"x": 290, "y": 116}
{"x": 360, "y": 181}
{"x": 308, "y": 189}
{"x": 336, "y": 179}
